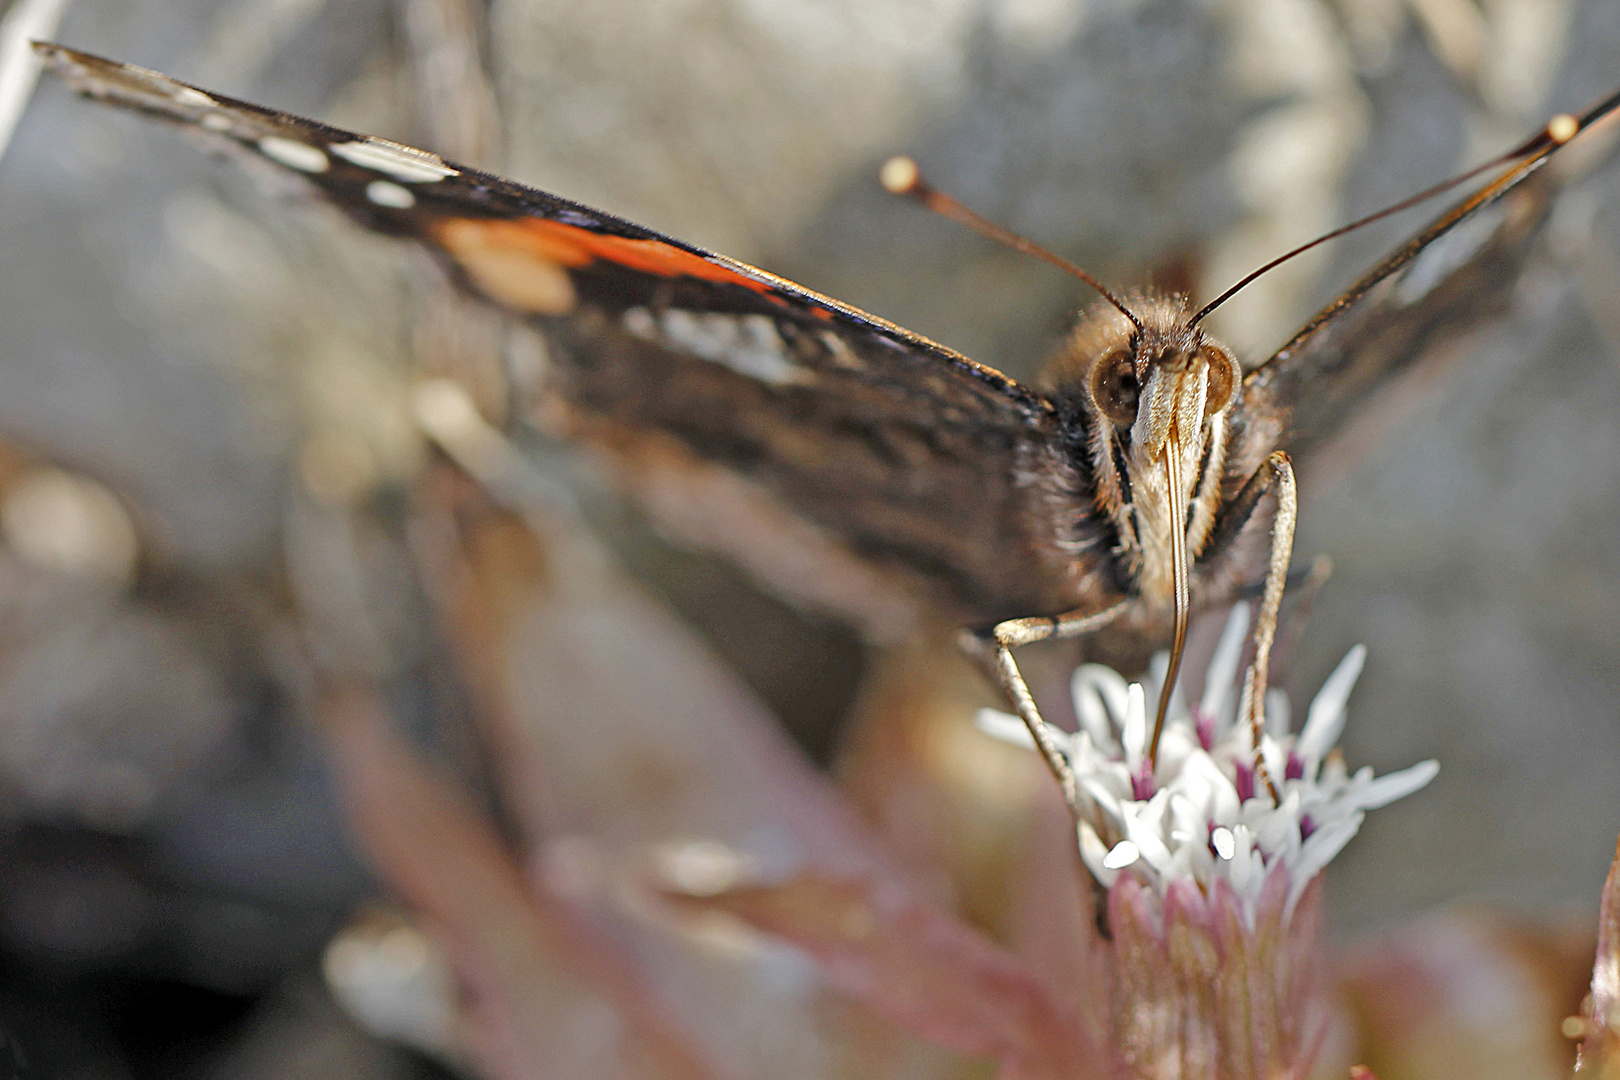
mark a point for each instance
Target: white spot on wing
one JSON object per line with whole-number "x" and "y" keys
{"x": 841, "y": 353}
{"x": 397, "y": 160}
{"x": 386, "y": 193}
{"x": 294, "y": 155}
{"x": 186, "y": 95}
{"x": 1446, "y": 256}
{"x": 747, "y": 344}
{"x": 640, "y": 322}
{"x": 215, "y": 121}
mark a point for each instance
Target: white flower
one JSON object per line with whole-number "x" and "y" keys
{"x": 1205, "y": 813}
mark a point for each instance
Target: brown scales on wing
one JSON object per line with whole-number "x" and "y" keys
{"x": 866, "y": 462}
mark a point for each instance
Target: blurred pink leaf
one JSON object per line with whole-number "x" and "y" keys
{"x": 528, "y": 965}
{"x": 602, "y": 700}
{"x": 618, "y": 738}
{"x": 1468, "y": 994}
{"x": 1600, "y": 1051}
{"x": 1054, "y": 918}
{"x": 951, "y": 804}
{"x": 920, "y": 966}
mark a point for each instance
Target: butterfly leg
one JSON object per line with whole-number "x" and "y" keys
{"x": 1275, "y": 475}
{"x": 994, "y": 651}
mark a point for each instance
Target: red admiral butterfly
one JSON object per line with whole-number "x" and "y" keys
{"x": 866, "y": 469}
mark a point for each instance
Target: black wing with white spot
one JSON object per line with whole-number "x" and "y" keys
{"x": 845, "y": 459}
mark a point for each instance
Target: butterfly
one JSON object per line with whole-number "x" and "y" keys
{"x": 865, "y": 469}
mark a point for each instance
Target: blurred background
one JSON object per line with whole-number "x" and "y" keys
{"x": 242, "y": 446}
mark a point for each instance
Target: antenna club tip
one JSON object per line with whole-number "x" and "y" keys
{"x": 1562, "y": 128}
{"x": 899, "y": 175}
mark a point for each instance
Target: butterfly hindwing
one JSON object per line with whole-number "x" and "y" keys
{"x": 1324, "y": 378}
{"x": 1449, "y": 277}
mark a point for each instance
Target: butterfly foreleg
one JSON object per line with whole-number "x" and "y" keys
{"x": 994, "y": 652}
{"x": 1274, "y": 476}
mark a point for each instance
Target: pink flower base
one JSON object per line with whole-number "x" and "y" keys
{"x": 1199, "y": 989}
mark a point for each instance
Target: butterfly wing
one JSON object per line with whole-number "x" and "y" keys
{"x": 845, "y": 460}
{"x": 1354, "y": 350}
{"x": 1448, "y": 278}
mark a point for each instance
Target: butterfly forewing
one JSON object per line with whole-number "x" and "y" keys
{"x": 845, "y": 460}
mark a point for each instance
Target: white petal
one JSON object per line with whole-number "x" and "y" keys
{"x": 1004, "y": 726}
{"x": 1392, "y": 786}
{"x": 1089, "y": 761}
{"x": 1097, "y": 787}
{"x": 1313, "y": 801}
{"x": 1085, "y": 756}
{"x": 1325, "y": 721}
{"x": 1275, "y": 757}
{"x": 1135, "y": 734}
{"x": 1121, "y": 855}
{"x": 1243, "y": 858}
{"x": 1202, "y": 777}
{"x": 1158, "y": 668}
{"x": 1278, "y": 713}
{"x": 1276, "y": 832}
{"x": 1326, "y": 842}
{"x": 1333, "y": 771}
{"x": 1154, "y": 810}
{"x": 1194, "y": 827}
{"x": 1176, "y": 744}
{"x": 1253, "y": 881}
{"x": 1202, "y": 862}
{"x": 1223, "y": 666}
{"x": 1190, "y": 825}
{"x": 1142, "y": 830}
{"x": 1094, "y": 854}
{"x": 1099, "y": 701}
{"x": 1181, "y": 865}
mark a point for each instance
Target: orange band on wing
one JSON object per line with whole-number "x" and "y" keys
{"x": 572, "y": 246}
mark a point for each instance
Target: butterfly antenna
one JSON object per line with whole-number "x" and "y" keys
{"x": 1559, "y": 130}
{"x": 900, "y": 176}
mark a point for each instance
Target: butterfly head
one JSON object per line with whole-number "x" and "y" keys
{"x": 1154, "y": 392}
{"x": 1146, "y": 384}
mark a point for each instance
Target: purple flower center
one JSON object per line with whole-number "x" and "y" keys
{"x": 1204, "y": 725}
{"x": 1295, "y": 769}
{"x": 1142, "y": 786}
{"x": 1243, "y": 781}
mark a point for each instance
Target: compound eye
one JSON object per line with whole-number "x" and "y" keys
{"x": 1114, "y": 388}
{"x": 1223, "y": 380}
